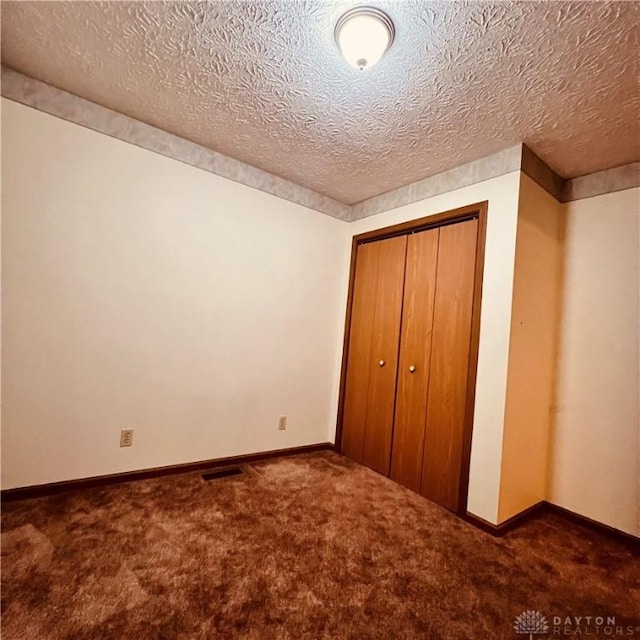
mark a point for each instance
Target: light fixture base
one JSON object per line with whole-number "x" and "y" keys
{"x": 364, "y": 34}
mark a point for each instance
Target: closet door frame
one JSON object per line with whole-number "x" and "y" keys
{"x": 477, "y": 210}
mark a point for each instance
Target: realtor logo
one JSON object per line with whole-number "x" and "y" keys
{"x": 532, "y": 623}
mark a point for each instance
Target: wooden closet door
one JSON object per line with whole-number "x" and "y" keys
{"x": 451, "y": 342}
{"x": 415, "y": 352}
{"x": 373, "y": 339}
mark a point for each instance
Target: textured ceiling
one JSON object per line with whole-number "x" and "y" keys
{"x": 262, "y": 81}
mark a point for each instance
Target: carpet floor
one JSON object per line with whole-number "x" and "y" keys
{"x": 306, "y": 547}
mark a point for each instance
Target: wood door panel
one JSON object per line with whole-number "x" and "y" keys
{"x": 451, "y": 343}
{"x": 385, "y": 339}
{"x": 359, "y": 358}
{"x": 415, "y": 350}
{"x": 374, "y": 333}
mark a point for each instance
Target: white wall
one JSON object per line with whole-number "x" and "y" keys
{"x": 532, "y": 349}
{"x": 139, "y": 292}
{"x": 594, "y": 448}
{"x": 495, "y": 322}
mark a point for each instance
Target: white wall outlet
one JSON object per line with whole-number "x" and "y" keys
{"x": 282, "y": 423}
{"x": 126, "y": 437}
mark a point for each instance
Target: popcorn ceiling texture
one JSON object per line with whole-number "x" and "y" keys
{"x": 44, "y": 97}
{"x": 263, "y": 82}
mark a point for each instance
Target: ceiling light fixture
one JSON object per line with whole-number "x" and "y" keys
{"x": 363, "y": 35}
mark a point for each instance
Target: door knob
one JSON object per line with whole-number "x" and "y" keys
{"x": 381, "y": 363}
{"x": 412, "y": 369}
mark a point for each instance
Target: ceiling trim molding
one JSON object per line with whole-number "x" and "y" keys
{"x": 492, "y": 166}
{"x": 44, "y": 97}
{"x": 626, "y": 176}
{"x": 517, "y": 158}
{"x": 539, "y": 171}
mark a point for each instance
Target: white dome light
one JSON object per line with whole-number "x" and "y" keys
{"x": 363, "y": 35}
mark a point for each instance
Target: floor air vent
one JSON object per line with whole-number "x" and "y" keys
{"x": 222, "y": 473}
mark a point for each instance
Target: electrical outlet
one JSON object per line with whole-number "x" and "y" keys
{"x": 126, "y": 437}
{"x": 282, "y": 423}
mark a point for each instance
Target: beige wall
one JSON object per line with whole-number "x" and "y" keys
{"x": 139, "y": 292}
{"x": 495, "y": 320}
{"x": 595, "y": 442}
{"x": 532, "y": 349}
{"x": 143, "y": 293}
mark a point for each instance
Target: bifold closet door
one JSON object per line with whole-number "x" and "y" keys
{"x": 444, "y": 444}
{"x": 415, "y": 359}
{"x": 373, "y": 352}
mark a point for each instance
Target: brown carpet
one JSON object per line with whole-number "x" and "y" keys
{"x": 308, "y": 547}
